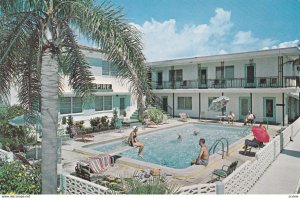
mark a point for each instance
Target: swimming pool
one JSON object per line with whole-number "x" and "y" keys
{"x": 163, "y": 147}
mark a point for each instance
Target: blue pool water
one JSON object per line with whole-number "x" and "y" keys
{"x": 163, "y": 148}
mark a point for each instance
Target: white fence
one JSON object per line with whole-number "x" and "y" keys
{"x": 78, "y": 186}
{"x": 239, "y": 182}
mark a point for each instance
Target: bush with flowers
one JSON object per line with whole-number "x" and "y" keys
{"x": 15, "y": 178}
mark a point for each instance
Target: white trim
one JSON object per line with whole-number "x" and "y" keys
{"x": 228, "y": 90}
{"x": 224, "y": 57}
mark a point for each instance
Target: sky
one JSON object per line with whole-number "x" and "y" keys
{"x": 173, "y": 29}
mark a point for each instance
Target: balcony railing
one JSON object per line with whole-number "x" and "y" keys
{"x": 259, "y": 82}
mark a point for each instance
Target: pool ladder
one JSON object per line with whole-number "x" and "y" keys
{"x": 216, "y": 143}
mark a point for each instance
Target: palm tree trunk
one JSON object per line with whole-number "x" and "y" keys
{"x": 49, "y": 112}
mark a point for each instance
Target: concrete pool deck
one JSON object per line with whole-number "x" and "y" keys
{"x": 72, "y": 151}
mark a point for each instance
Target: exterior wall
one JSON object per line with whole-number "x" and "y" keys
{"x": 120, "y": 88}
{"x": 233, "y": 105}
{"x": 265, "y": 67}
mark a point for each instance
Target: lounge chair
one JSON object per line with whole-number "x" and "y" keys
{"x": 118, "y": 123}
{"x": 81, "y": 135}
{"x": 249, "y": 144}
{"x": 92, "y": 167}
{"x": 183, "y": 117}
{"x": 225, "y": 171}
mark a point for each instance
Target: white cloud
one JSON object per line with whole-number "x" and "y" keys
{"x": 244, "y": 38}
{"x": 293, "y": 43}
{"x": 164, "y": 41}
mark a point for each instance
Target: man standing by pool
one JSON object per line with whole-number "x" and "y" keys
{"x": 202, "y": 159}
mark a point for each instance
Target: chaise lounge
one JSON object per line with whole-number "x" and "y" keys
{"x": 92, "y": 167}
{"x": 183, "y": 117}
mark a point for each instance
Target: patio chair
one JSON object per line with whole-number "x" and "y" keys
{"x": 225, "y": 171}
{"x": 118, "y": 123}
{"x": 183, "y": 117}
{"x": 95, "y": 166}
{"x": 81, "y": 135}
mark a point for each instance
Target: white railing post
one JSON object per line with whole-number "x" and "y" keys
{"x": 274, "y": 150}
{"x": 219, "y": 188}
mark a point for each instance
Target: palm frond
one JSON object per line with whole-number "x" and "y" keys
{"x": 73, "y": 64}
{"x": 29, "y": 83}
{"x": 121, "y": 42}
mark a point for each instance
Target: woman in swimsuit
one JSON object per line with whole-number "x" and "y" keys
{"x": 132, "y": 140}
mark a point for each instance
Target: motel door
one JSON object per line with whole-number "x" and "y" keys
{"x": 244, "y": 107}
{"x": 202, "y": 74}
{"x": 269, "y": 109}
{"x": 165, "y": 103}
{"x": 159, "y": 79}
{"x": 250, "y": 75}
{"x": 122, "y": 106}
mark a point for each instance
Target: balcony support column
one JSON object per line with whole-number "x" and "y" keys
{"x": 299, "y": 105}
{"x": 222, "y": 109}
{"x": 199, "y": 105}
{"x": 283, "y": 112}
{"x": 251, "y": 102}
{"x": 173, "y": 103}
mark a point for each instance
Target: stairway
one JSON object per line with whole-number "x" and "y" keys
{"x": 134, "y": 118}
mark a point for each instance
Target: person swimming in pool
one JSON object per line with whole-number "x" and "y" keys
{"x": 179, "y": 137}
{"x": 196, "y": 131}
{"x": 203, "y": 156}
{"x": 133, "y": 141}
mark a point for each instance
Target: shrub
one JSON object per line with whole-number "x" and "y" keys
{"x": 64, "y": 120}
{"x": 155, "y": 115}
{"x": 17, "y": 134}
{"x": 70, "y": 124}
{"x": 157, "y": 185}
{"x": 104, "y": 122}
{"x": 15, "y": 178}
{"x": 80, "y": 124}
{"x": 114, "y": 118}
{"x": 95, "y": 122}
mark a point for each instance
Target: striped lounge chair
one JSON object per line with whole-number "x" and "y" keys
{"x": 94, "y": 166}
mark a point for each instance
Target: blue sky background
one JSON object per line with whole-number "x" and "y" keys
{"x": 186, "y": 28}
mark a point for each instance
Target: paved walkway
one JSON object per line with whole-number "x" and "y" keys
{"x": 284, "y": 173}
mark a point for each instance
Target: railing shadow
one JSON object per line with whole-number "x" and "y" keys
{"x": 291, "y": 153}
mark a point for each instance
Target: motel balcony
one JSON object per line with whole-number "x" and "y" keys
{"x": 258, "y": 82}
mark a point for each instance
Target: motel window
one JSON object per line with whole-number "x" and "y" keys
{"x": 185, "y": 103}
{"x": 70, "y": 105}
{"x": 105, "y": 68}
{"x": 94, "y": 62}
{"x": 176, "y": 75}
{"x": 103, "y": 103}
{"x": 229, "y": 72}
{"x": 218, "y": 73}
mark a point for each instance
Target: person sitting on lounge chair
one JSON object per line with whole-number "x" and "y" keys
{"x": 249, "y": 118}
{"x": 251, "y": 143}
{"x": 231, "y": 117}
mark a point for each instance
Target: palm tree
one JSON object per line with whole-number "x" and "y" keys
{"x": 38, "y": 46}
